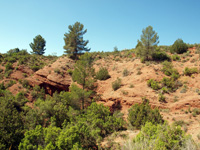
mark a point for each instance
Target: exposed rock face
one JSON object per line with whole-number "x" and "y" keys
{"x": 20, "y": 72}
{"x": 53, "y": 77}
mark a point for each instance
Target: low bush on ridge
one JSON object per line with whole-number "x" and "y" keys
{"x": 116, "y": 84}
{"x": 102, "y": 74}
{"x": 190, "y": 71}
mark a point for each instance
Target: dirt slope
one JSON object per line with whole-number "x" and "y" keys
{"x": 134, "y": 86}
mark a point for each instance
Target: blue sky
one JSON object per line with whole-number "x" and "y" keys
{"x": 109, "y": 23}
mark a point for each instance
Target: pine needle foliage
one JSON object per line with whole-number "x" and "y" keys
{"x": 38, "y": 45}
{"x": 147, "y": 43}
{"x": 74, "y": 43}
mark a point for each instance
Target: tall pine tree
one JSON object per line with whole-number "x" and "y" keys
{"x": 83, "y": 74}
{"x": 147, "y": 43}
{"x": 74, "y": 43}
{"x": 38, "y": 45}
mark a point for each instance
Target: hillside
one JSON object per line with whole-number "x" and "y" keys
{"x": 181, "y": 106}
{"x": 134, "y": 86}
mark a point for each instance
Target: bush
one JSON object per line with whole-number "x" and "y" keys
{"x": 25, "y": 83}
{"x": 102, "y": 74}
{"x": 2, "y": 86}
{"x": 8, "y": 67}
{"x": 176, "y": 57}
{"x": 190, "y": 71}
{"x": 12, "y": 51}
{"x": 10, "y": 83}
{"x": 7, "y": 73}
{"x": 161, "y": 98}
{"x": 195, "y": 112}
{"x": 153, "y": 84}
{"x": 35, "y": 68}
{"x": 164, "y": 90}
{"x": 161, "y": 137}
{"x": 70, "y": 71}
{"x": 179, "y": 47}
{"x": 116, "y": 84}
{"x": 38, "y": 92}
{"x": 183, "y": 90}
{"x": 139, "y": 114}
{"x": 169, "y": 83}
{"x": 10, "y": 59}
{"x": 160, "y": 56}
{"x": 179, "y": 123}
{"x": 125, "y": 72}
{"x": 169, "y": 70}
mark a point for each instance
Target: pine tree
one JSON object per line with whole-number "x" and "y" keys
{"x": 147, "y": 43}
{"x": 38, "y": 45}
{"x": 74, "y": 43}
{"x": 83, "y": 73}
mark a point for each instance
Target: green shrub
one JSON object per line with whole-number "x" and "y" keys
{"x": 167, "y": 66}
{"x": 161, "y": 137}
{"x": 161, "y": 98}
{"x": 125, "y": 72}
{"x": 198, "y": 136}
{"x": 139, "y": 114}
{"x": 10, "y": 83}
{"x": 8, "y": 66}
{"x": 195, "y": 112}
{"x": 131, "y": 86}
{"x": 169, "y": 70}
{"x": 153, "y": 84}
{"x": 183, "y": 90}
{"x": 38, "y": 92}
{"x": 170, "y": 83}
{"x": 160, "y": 56}
{"x": 35, "y": 68}
{"x": 7, "y": 73}
{"x": 2, "y": 87}
{"x": 139, "y": 72}
{"x": 25, "y": 83}
{"x": 142, "y": 60}
{"x": 175, "y": 75}
{"x": 164, "y": 90}
{"x": 198, "y": 91}
{"x": 12, "y": 51}
{"x": 176, "y": 57}
{"x": 116, "y": 84}
{"x": 124, "y": 92}
{"x": 70, "y": 71}
{"x": 190, "y": 71}
{"x": 102, "y": 74}
{"x": 179, "y": 47}
{"x": 179, "y": 123}
{"x": 10, "y": 59}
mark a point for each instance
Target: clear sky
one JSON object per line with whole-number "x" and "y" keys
{"x": 109, "y": 23}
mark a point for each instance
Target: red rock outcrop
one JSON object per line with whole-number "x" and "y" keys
{"x": 53, "y": 77}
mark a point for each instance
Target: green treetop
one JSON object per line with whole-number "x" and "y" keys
{"x": 149, "y": 39}
{"x": 38, "y": 45}
{"x": 74, "y": 43}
